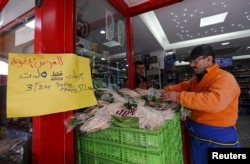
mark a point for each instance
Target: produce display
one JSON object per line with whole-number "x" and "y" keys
{"x": 124, "y": 107}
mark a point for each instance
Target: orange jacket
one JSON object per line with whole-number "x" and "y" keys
{"x": 213, "y": 101}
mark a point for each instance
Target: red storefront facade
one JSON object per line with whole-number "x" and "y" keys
{"x": 55, "y": 32}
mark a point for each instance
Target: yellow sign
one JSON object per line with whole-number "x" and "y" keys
{"x": 40, "y": 84}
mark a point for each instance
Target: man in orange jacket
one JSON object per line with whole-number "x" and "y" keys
{"x": 212, "y": 97}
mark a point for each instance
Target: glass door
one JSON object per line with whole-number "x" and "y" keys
{"x": 101, "y": 37}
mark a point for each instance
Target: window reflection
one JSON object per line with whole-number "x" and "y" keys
{"x": 101, "y": 38}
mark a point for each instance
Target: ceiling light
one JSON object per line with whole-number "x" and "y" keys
{"x": 31, "y": 24}
{"x": 181, "y": 63}
{"x": 169, "y": 53}
{"x": 214, "y": 19}
{"x": 225, "y": 43}
{"x": 102, "y": 32}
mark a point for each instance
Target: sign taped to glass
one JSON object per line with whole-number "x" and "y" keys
{"x": 40, "y": 84}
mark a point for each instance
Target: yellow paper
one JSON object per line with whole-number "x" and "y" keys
{"x": 40, "y": 84}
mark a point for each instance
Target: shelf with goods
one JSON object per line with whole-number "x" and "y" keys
{"x": 171, "y": 75}
{"x": 107, "y": 70}
{"x": 101, "y": 43}
{"x": 160, "y": 77}
{"x": 155, "y": 77}
{"x": 171, "y": 78}
{"x": 184, "y": 73}
{"x": 241, "y": 71}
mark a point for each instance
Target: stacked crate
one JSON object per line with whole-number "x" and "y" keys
{"x": 117, "y": 145}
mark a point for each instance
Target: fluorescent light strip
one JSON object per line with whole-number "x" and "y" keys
{"x": 218, "y": 18}
{"x": 225, "y": 43}
{"x": 241, "y": 57}
{"x": 182, "y": 63}
{"x": 154, "y": 26}
{"x": 169, "y": 53}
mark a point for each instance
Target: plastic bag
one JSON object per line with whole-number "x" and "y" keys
{"x": 99, "y": 121}
{"x": 12, "y": 151}
{"x": 79, "y": 118}
{"x": 184, "y": 113}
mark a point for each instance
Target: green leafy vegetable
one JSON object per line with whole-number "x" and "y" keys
{"x": 126, "y": 122}
{"x": 131, "y": 103}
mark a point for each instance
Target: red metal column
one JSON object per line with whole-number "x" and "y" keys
{"x": 130, "y": 52}
{"x": 2, "y": 4}
{"x": 53, "y": 34}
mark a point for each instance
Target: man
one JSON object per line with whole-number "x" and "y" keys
{"x": 212, "y": 97}
{"x": 140, "y": 80}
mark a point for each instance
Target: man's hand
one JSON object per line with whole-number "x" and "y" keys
{"x": 169, "y": 96}
{"x": 143, "y": 85}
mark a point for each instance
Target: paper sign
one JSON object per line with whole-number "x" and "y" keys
{"x": 40, "y": 84}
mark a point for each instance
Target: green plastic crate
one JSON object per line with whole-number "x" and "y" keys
{"x": 94, "y": 159}
{"x": 100, "y": 152}
{"x": 149, "y": 139}
{"x": 119, "y": 152}
{"x": 110, "y": 147}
